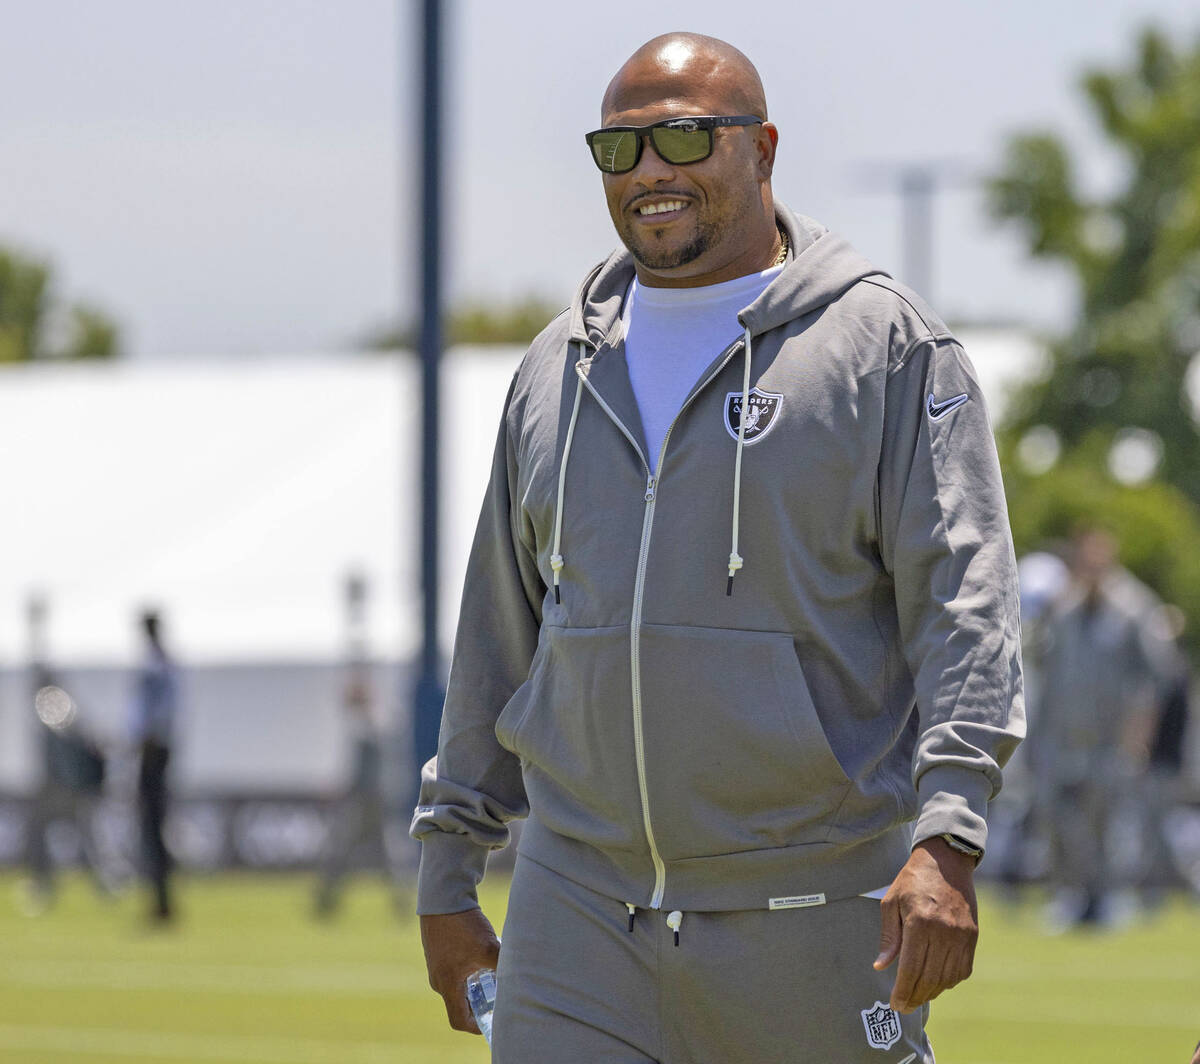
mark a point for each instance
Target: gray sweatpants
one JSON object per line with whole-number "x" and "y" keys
{"x": 575, "y": 986}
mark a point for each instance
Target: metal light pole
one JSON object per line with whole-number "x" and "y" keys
{"x": 429, "y": 693}
{"x": 917, "y": 184}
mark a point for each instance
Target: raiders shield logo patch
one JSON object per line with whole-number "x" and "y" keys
{"x": 760, "y": 413}
{"x": 883, "y": 1026}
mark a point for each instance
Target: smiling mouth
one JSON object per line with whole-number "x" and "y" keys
{"x": 660, "y": 210}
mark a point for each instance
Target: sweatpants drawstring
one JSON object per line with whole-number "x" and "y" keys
{"x": 675, "y": 922}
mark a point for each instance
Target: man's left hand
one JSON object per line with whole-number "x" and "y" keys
{"x": 931, "y": 922}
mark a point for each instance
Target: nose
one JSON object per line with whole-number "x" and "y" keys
{"x": 651, "y": 167}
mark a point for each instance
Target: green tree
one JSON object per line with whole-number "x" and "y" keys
{"x": 28, "y": 313}
{"x": 91, "y": 333}
{"x": 1136, "y": 256}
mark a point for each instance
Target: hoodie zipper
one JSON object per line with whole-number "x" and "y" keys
{"x": 635, "y": 620}
{"x": 635, "y": 658}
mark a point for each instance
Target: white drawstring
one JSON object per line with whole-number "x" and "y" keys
{"x": 556, "y": 558}
{"x": 735, "y": 559}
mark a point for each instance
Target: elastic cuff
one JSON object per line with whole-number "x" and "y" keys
{"x": 451, "y": 868}
{"x": 953, "y": 801}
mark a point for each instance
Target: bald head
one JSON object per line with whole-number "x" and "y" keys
{"x": 686, "y": 67}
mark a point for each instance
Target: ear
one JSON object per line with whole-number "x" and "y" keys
{"x": 766, "y": 142}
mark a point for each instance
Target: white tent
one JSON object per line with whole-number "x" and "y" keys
{"x": 233, "y": 496}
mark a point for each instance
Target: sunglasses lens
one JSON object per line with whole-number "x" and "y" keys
{"x": 615, "y": 152}
{"x": 681, "y": 145}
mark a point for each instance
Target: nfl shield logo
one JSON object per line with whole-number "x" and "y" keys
{"x": 883, "y": 1026}
{"x": 760, "y": 413}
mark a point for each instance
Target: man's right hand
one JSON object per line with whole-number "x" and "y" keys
{"x": 456, "y": 945}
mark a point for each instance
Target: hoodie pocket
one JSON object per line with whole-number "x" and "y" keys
{"x": 572, "y": 726}
{"x": 736, "y": 755}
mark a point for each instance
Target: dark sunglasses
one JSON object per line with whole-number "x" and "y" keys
{"x": 617, "y": 149}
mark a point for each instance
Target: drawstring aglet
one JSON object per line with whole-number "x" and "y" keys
{"x": 735, "y": 563}
{"x": 632, "y": 913}
{"x": 556, "y": 563}
{"x": 674, "y": 922}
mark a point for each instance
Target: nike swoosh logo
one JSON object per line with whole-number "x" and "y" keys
{"x": 937, "y": 410}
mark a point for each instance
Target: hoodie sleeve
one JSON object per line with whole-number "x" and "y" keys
{"x": 473, "y": 788}
{"x": 944, "y": 537}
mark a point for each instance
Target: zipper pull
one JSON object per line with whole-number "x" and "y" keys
{"x": 632, "y": 913}
{"x": 675, "y": 922}
{"x": 651, "y": 483}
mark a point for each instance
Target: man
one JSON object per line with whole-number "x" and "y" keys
{"x": 359, "y": 817}
{"x": 71, "y": 785}
{"x": 1103, "y": 665}
{"x": 741, "y": 605}
{"x": 152, "y": 731}
{"x": 1013, "y": 843}
{"x": 72, "y": 777}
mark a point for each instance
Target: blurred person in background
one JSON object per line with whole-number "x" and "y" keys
{"x": 1101, "y": 672}
{"x": 72, "y": 775}
{"x": 153, "y": 729}
{"x": 358, "y": 822}
{"x": 1162, "y": 791}
{"x": 1015, "y": 849}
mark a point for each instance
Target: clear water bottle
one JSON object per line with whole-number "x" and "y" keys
{"x": 481, "y": 996}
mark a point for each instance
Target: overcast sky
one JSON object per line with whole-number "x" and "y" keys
{"x": 239, "y": 178}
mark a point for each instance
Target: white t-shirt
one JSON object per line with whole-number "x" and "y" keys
{"x": 671, "y": 337}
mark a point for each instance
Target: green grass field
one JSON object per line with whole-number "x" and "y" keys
{"x": 247, "y": 977}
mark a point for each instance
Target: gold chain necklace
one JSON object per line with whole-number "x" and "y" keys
{"x": 781, "y": 258}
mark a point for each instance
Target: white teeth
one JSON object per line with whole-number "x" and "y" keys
{"x": 659, "y": 208}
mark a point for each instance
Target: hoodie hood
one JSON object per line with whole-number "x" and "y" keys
{"x": 821, "y": 266}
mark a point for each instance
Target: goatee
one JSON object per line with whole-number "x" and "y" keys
{"x": 654, "y": 259}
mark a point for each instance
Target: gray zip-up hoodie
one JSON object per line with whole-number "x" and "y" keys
{"x": 742, "y": 680}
